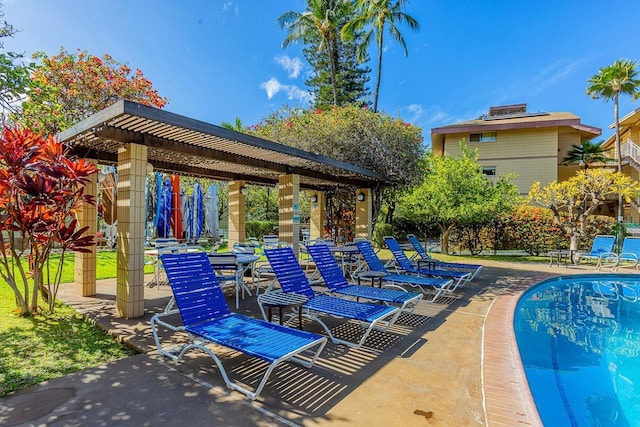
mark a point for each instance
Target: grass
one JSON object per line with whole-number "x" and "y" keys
{"x": 38, "y": 348}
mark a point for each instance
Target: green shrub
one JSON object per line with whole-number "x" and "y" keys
{"x": 258, "y": 229}
{"x": 380, "y": 230}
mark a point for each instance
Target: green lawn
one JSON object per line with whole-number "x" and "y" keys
{"x": 39, "y": 348}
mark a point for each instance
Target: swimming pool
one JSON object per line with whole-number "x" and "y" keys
{"x": 579, "y": 340}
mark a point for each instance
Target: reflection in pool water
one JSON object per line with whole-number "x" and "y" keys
{"x": 579, "y": 340}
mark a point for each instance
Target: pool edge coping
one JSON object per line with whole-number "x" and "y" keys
{"x": 506, "y": 396}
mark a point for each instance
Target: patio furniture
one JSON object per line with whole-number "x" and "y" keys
{"x": 601, "y": 246}
{"x": 404, "y": 263}
{"x": 230, "y": 267}
{"x": 262, "y": 267}
{"x": 434, "y": 263}
{"x": 206, "y": 318}
{"x": 558, "y": 257}
{"x": 281, "y": 301}
{"x": 629, "y": 255}
{"x": 437, "y": 286}
{"x": 337, "y": 283}
{"x": 293, "y": 280}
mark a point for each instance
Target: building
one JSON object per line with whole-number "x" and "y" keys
{"x": 509, "y": 138}
{"x": 630, "y": 150}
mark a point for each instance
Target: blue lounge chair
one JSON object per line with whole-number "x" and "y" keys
{"x": 404, "y": 263}
{"x": 437, "y": 286}
{"x": 206, "y": 318}
{"x": 425, "y": 257}
{"x": 601, "y": 248}
{"x": 293, "y": 280}
{"x": 629, "y": 254}
{"x": 337, "y": 283}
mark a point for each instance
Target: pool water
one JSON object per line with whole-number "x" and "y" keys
{"x": 579, "y": 340}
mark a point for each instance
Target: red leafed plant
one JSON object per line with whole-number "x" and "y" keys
{"x": 41, "y": 187}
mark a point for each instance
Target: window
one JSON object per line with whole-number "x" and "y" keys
{"x": 482, "y": 137}
{"x": 489, "y": 170}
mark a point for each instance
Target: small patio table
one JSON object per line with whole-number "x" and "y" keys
{"x": 559, "y": 256}
{"x": 282, "y": 301}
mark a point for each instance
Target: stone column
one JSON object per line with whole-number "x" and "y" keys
{"x": 289, "y": 210}
{"x": 363, "y": 213}
{"x": 237, "y": 213}
{"x": 317, "y": 216}
{"x": 85, "y": 263}
{"x": 132, "y": 166}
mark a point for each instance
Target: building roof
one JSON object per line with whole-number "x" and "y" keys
{"x": 517, "y": 119}
{"x": 629, "y": 120}
{"x": 181, "y": 145}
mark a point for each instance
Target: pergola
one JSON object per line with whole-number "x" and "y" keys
{"x": 133, "y": 136}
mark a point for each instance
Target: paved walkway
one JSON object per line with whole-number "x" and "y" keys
{"x": 427, "y": 371}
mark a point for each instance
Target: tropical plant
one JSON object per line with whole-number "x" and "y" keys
{"x": 67, "y": 88}
{"x": 370, "y": 20}
{"x": 586, "y": 153}
{"x": 321, "y": 19}
{"x": 41, "y": 188}
{"x": 352, "y": 76}
{"x": 574, "y": 200}
{"x": 454, "y": 192}
{"x": 610, "y": 82}
{"x": 236, "y": 125}
{"x": 374, "y": 141}
{"x": 14, "y": 76}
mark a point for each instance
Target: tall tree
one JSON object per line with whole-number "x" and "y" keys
{"x": 352, "y": 76}
{"x": 14, "y": 75}
{"x": 573, "y": 200}
{"x": 586, "y": 153}
{"x": 455, "y": 191}
{"x": 609, "y": 83}
{"x": 321, "y": 19}
{"x": 372, "y": 18}
{"x": 67, "y": 88}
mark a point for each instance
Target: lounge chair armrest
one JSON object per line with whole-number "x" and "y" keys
{"x": 628, "y": 256}
{"x": 608, "y": 255}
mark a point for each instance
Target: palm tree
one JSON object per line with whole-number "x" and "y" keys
{"x": 372, "y": 17}
{"x": 320, "y": 19}
{"x": 609, "y": 83}
{"x": 236, "y": 125}
{"x": 586, "y": 153}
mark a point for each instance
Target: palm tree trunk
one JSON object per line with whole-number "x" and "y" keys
{"x": 334, "y": 82}
{"x": 377, "y": 90}
{"x": 619, "y": 159}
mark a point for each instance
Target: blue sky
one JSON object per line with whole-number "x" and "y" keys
{"x": 218, "y": 60}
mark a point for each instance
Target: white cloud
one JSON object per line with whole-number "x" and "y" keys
{"x": 417, "y": 111}
{"x": 293, "y": 92}
{"x": 292, "y": 66}
{"x": 554, "y": 73}
{"x": 229, "y": 5}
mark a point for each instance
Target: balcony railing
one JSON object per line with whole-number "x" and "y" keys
{"x": 630, "y": 149}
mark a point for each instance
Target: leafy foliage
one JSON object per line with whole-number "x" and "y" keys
{"x": 455, "y": 191}
{"x": 320, "y": 21}
{"x": 67, "y": 88}
{"x": 41, "y": 188}
{"x": 573, "y": 200}
{"x": 351, "y": 76}
{"x": 586, "y": 153}
{"x": 374, "y": 141}
{"x": 14, "y": 75}
{"x": 369, "y": 23}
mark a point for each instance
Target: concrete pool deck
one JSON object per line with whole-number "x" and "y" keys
{"x": 450, "y": 363}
